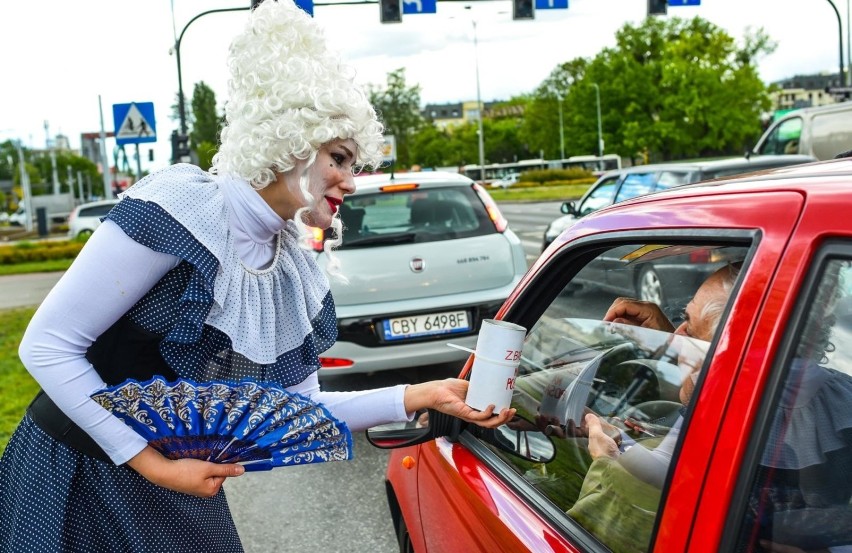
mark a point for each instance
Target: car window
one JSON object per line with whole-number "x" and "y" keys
{"x": 600, "y": 196}
{"x": 95, "y": 211}
{"x": 637, "y": 381}
{"x": 429, "y": 215}
{"x": 783, "y": 139}
{"x": 801, "y": 491}
{"x": 670, "y": 179}
{"x": 636, "y": 184}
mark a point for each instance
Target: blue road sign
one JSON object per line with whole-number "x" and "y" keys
{"x": 551, "y": 4}
{"x": 684, "y": 2}
{"x": 419, "y": 6}
{"x": 307, "y": 5}
{"x": 134, "y": 123}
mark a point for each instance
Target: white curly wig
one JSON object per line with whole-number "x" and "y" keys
{"x": 287, "y": 96}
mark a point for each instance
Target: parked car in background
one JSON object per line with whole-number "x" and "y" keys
{"x": 506, "y": 181}
{"x": 623, "y": 184}
{"x": 753, "y": 420}
{"x": 87, "y": 217}
{"x": 428, "y": 256}
{"x": 822, "y": 132}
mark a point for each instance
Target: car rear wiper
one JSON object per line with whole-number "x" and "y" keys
{"x": 375, "y": 239}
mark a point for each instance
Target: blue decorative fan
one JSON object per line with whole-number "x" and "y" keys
{"x": 260, "y": 426}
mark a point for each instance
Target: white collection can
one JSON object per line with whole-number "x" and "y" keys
{"x": 495, "y": 365}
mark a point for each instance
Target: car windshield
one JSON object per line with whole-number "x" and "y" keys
{"x": 430, "y": 215}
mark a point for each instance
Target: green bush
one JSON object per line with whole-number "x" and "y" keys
{"x": 24, "y": 252}
{"x": 546, "y": 176}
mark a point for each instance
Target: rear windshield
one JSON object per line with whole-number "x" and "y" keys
{"x": 96, "y": 211}
{"x": 410, "y": 216}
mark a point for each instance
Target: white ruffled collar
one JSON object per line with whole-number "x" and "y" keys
{"x": 253, "y": 223}
{"x": 265, "y": 312}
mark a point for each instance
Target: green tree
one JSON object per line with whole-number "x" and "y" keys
{"x": 398, "y": 106}
{"x": 540, "y": 130}
{"x": 206, "y": 126}
{"x": 671, "y": 89}
{"x": 429, "y": 147}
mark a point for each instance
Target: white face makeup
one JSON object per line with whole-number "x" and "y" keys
{"x": 329, "y": 179}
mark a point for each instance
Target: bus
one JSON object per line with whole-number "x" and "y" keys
{"x": 495, "y": 171}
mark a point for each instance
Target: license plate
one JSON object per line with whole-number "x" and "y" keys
{"x": 432, "y": 324}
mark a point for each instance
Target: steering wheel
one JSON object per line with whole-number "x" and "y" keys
{"x": 572, "y": 404}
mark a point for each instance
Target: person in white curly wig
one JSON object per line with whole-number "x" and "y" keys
{"x": 201, "y": 278}
{"x": 289, "y": 96}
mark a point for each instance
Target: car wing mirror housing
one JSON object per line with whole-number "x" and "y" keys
{"x": 568, "y": 208}
{"x": 519, "y": 437}
{"x": 426, "y": 426}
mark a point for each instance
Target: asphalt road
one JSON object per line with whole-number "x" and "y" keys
{"x": 329, "y": 507}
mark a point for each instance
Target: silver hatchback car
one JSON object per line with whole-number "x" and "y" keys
{"x": 428, "y": 257}
{"x": 87, "y": 217}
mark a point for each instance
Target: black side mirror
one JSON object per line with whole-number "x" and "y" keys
{"x": 519, "y": 437}
{"x": 568, "y": 208}
{"x": 425, "y": 427}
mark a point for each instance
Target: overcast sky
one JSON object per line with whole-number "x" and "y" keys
{"x": 60, "y": 55}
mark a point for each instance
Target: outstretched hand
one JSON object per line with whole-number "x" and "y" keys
{"x": 447, "y": 396}
{"x": 600, "y": 444}
{"x": 638, "y": 313}
{"x": 189, "y": 476}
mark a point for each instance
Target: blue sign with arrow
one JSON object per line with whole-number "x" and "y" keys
{"x": 307, "y": 5}
{"x": 684, "y": 2}
{"x": 551, "y": 4}
{"x": 419, "y": 6}
{"x": 134, "y": 123}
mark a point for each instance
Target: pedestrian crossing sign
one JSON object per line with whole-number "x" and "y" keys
{"x": 134, "y": 123}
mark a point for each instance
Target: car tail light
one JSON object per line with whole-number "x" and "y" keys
{"x": 316, "y": 239}
{"x": 500, "y": 222}
{"x": 335, "y": 362}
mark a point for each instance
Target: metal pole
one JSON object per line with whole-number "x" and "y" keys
{"x": 600, "y": 133}
{"x": 104, "y": 158}
{"x": 479, "y": 107}
{"x": 181, "y": 104}
{"x": 80, "y": 186}
{"x": 842, "y": 80}
{"x": 25, "y": 187}
{"x": 561, "y": 132}
{"x": 848, "y": 48}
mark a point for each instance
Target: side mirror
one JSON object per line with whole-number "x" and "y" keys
{"x": 568, "y": 208}
{"x": 519, "y": 437}
{"x": 426, "y": 426}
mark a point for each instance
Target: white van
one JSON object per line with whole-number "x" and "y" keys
{"x": 821, "y": 132}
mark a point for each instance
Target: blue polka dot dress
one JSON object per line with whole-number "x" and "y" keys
{"x": 213, "y": 319}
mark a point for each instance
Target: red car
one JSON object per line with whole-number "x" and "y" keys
{"x": 759, "y": 458}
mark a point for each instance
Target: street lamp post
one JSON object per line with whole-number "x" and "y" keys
{"x": 841, "y": 80}
{"x": 598, "y": 105}
{"x": 478, "y": 104}
{"x": 848, "y": 48}
{"x": 561, "y": 129}
{"x": 181, "y": 103}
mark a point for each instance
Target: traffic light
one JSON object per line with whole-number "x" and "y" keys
{"x": 657, "y": 7}
{"x": 180, "y": 148}
{"x": 391, "y": 11}
{"x": 523, "y": 9}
